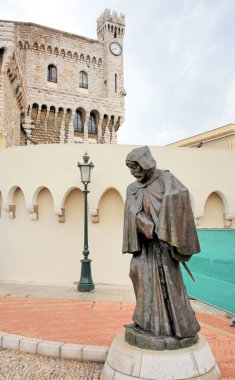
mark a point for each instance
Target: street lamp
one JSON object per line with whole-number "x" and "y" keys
{"x": 85, "y": 282}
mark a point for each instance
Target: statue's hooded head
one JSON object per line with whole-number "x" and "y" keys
{"x": 141, "y": 163}
{"x": 143, "y": 157}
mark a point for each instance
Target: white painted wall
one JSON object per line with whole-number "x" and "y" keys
{"x": 46, "y": 251}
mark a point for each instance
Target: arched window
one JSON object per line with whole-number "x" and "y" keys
{"x": 52, "y": 73}
{"x": 77, "y": 122}
{"x": 83, "y": 79}
{"x": 91, "y": 124}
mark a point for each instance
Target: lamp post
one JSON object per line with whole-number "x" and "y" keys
{"x": 86, "y": 282}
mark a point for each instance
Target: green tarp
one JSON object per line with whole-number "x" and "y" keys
{"x": 214, "y": 269}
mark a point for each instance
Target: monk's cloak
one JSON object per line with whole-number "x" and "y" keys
{"x": 170, "y": 210}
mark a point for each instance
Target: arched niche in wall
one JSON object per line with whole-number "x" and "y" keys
{"x": 45, "y": 203}
{"x": 73, "y": 228}
{"x": 47, "y": 241}
{"x": 43, "y": 113}
{"x": 88, "y": 60}
{"x": 10, "y": 206}
{"x": 74, "y": 208}
{"x": 34, "y": 113}
{"x": 106, "y": 241}
{"x": 94, "y": 62}
{"x": 51, "y": 117}
{"x": 18, "y": 202}
{"x": 111, "y": 208}
{"x": 71, "y": 234}
{"x": 59, "y": 116}
{"x": 213, "y": 216}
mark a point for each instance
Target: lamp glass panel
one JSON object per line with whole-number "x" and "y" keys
{"x": 85, "y": 173}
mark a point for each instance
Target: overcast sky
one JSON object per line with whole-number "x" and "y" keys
{"x": 179, "y": 60}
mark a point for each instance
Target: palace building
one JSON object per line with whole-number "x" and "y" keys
{"x": 218, "y": 138}
{"x": 58, "y": 87}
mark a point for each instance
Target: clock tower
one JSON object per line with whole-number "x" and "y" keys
{"x": 110, "y": 32}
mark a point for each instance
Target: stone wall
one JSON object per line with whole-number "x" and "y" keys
{"x": 11, "y": 116}
{"x": 13, "y": 93}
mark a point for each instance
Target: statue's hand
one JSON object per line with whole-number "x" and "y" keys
{"x": 145, "y": 225}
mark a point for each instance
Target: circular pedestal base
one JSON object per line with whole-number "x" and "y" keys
{"x": 126, "y": 362}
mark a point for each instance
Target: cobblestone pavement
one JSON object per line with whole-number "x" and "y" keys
{"x": 63, "y": 314}
{"x": 21, "y": 366}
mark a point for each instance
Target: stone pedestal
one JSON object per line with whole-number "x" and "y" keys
{"x": 126, "y": 362}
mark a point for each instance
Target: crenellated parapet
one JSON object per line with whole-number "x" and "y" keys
{"x": 61, "y": 51}
{"x": 111, "y": 19}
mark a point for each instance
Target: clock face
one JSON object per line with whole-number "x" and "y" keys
{"x": 115, "y": 48}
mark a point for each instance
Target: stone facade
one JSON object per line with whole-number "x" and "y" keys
{"x": 13, "y": 93}
{"x": 57, "y": 87}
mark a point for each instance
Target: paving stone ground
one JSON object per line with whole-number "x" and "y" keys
{"x": 64, "y": 315}
{"x": 17, "y": 366}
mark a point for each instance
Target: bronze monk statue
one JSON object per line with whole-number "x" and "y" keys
{"x": 159, "y": 232}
